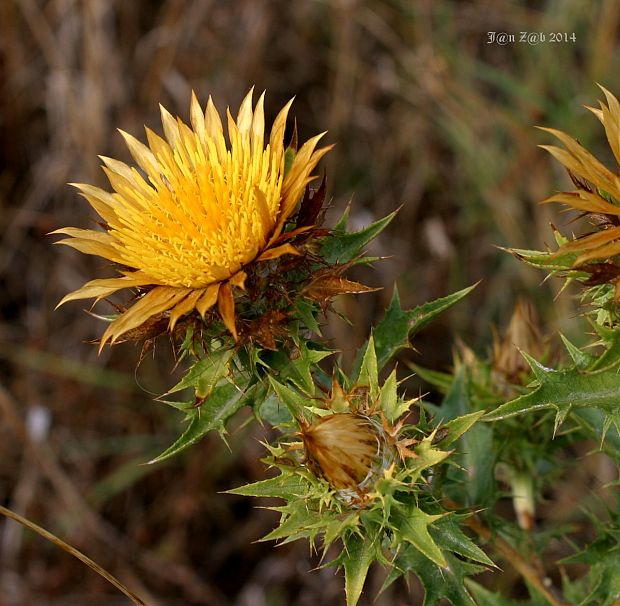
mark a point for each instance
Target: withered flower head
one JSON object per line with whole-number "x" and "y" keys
{"x": 522, "y": 334}
{"x": 596, "y": 194}
{"x": 199, "y": 210}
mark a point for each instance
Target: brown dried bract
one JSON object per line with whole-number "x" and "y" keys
{"x": 328, "y": 283}
{"x": 265, "y": 329}
{"x": 312, "y": 208}
{"x": 601, "y": 273}
{"x": 522, "y": 334}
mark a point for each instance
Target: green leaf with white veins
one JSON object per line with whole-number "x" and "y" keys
{"x": 563, "y": 390}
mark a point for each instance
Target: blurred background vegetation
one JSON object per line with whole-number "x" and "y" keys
{"x": 425, "y": 114}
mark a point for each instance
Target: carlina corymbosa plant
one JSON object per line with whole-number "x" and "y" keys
{"x": 220, "y": 242}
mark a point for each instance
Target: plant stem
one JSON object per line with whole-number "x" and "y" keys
{"x": 529, "y": 572}
{"x": 522, "y": 566}
{"x": 76, "y": 553}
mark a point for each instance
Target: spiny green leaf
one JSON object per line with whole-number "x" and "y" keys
{"x": 205, "y": 374}
{"x": 581, "y": 359}
{"x": 285, "y": 486}
{"x": 392, "y": 406}
{"x": 357, "y": 556}
{"x": 478, "y": 459}
{"x": 449, "y": 536}
{"x": 368, "y": 374}
{"x": 308, "y": 312}
{"x": 457, "y": 427}
{"x": 225, "y": 400}
{"x": 342, "y": 247}
{"x": 298, "y": 522}
{"x": 610, "y": 358}
{"x": 397, "y": 326}
{"x": 561, "y": 389}
{"x": 411, "y": 524}
{"x": 546, "y": 260}
{"x": 187, "y": 406}
{"x": 457, "y": 402}
{"x": 335, "y": 528}
{"x": 293, "y": 400}
{"x": 304, "y": 365}
{"x": 427, "y": 456}
{"x": 343, "y": 221}
{"x": 438, "y": 582}
{"x": 298, "y": 369}
{"x": 475, "y": 452}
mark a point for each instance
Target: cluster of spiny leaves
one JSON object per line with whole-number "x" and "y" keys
{"x": 554, "y": 397}
{"x": 533, "y": 416}
{"x": 396, "y": 516}
{"x": 592, "y": 260}
{"x": 392, "y": 512}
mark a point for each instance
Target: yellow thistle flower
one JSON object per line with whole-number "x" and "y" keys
{"x": 198, "y": 211}
{"x": 597, "y": 190}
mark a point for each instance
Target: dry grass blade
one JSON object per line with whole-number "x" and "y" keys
{"x": 74, "y": 552}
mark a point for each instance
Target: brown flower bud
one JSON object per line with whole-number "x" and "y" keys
{"x": 344, "y": 448}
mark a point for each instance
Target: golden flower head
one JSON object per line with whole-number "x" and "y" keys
{"x": 597, "y": 190}
{"x": 196, "y": 211}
